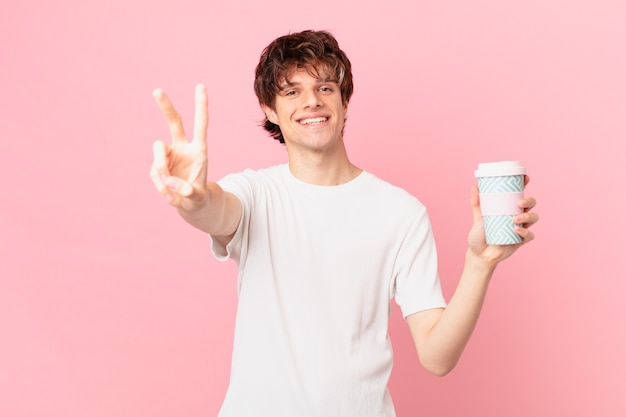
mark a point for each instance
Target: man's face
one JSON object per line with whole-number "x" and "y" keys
{"x": 309, "y": 111}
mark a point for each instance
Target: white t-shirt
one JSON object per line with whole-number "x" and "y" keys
{"x": 318, "y": 267}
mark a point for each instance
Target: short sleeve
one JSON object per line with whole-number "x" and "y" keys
{"x": 240, "y": 186}
{"x": 417, "y": 285}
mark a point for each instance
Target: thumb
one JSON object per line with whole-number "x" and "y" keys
{"x": 178, "y": 186}
{"x": 475, "y": 204}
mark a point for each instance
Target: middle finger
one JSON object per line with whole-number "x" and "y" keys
{"x": 174, "y": 121}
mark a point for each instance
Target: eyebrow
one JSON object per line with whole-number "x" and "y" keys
{"x": 289, "y": 84}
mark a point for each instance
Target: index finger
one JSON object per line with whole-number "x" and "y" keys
{"x": 174, "y": 121}
{"x": 201, "y": 119}
{"x": 526, "y": 180}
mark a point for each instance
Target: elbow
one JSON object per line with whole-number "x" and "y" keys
{"x": 440, "y": 372}
{"x": 439, "y": 368}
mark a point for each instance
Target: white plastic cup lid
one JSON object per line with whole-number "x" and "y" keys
{"x": 500, "y": 169}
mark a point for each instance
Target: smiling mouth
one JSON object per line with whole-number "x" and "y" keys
{"x": 313, "y": 120}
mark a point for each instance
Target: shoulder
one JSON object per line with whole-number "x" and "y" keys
{"x": 253, "y": 177}
{"x": 390, "y": 194}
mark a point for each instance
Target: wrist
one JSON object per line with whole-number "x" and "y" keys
{"x": 479, "y": 264}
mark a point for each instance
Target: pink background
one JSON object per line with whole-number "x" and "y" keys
{"x": 111, "y": 306}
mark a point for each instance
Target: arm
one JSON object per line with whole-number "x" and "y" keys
{"x": 179, "y": 172}
{"x": 440, "y": 335}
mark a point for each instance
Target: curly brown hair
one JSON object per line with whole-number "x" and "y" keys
{"x": 316, "y": 52}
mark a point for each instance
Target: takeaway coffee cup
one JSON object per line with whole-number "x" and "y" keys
{"x": 500, "y": 186}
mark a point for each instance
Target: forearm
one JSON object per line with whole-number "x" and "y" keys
{"x": 218, "y": 214}
{"x": 447, "y": 339}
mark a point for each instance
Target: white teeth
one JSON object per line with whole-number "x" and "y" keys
{"x": 313, "y": 120}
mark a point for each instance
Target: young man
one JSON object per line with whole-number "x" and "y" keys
{"x": 322, "y": 247}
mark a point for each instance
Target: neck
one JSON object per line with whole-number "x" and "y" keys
{"x": 321, "y": 168}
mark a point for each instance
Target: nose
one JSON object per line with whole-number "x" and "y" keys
{"x": 311, "y": 99}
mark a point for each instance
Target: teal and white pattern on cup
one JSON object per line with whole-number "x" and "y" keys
{"x": 507, "y": 184}
{"x": 501, "y": 185}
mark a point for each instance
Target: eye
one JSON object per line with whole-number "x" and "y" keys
{"x": 326, "y": 89}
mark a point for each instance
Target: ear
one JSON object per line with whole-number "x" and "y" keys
{"x": 270, "y": 114}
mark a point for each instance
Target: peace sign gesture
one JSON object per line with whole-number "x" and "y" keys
{"x": 179, "y": 170}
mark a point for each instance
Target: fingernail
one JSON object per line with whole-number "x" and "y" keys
{"x": 172, "y": 184}
{"x": 169, "y": 198}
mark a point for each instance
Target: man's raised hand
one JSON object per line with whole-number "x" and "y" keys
{"x": 179, "y": 169}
